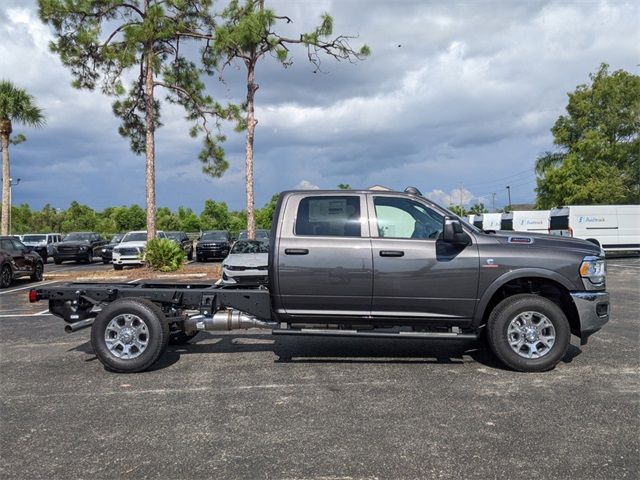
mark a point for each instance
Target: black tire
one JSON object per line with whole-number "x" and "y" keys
{"x": 38, "y": 272}
{"x": 510, "y": 308}
{"x": 105, "y": 261}
{"x": 157, "y": 328}
{"x": 180, "y": 337}
{"x": 198, "y": 258}
{"x": 44, "y": 256}
{"x": 89, "y": 258}
{"x": 57, "y": 261}
{"x": 190, "y": 255}
{"x": 6, "y": 276}
{"x": 118, "y": 267}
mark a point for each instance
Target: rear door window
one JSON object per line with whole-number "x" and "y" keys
{"x": 335, "y": 216}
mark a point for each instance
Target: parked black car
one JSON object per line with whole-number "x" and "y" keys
{"x": 17, "y": 261}
{"x": 107, "y": 251}
{"x": 78, "y": 246}
{"x": 213, "y": 244}
{"x": 184, "y": 241}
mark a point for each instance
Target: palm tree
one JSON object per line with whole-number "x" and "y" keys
{"x": 16, "y": 105}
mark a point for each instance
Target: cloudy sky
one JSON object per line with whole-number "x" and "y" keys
{"x": 453, "y": 93}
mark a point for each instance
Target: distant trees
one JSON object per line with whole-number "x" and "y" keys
{"x": 16, "y": 107}
{"x": 598, "y": 160}
{"x": 79, "y": 217}
{"x": 477, "y": 209}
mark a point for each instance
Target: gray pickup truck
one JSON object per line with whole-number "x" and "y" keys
{"x": 365, "y": 264}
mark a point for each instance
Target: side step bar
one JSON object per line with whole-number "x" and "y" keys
{"x": 317, "y": 332}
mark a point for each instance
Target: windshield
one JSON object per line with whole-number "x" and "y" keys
{"x": 78, "y": 237}
{"x": 174, "y": 236}
{"x": 34, "y": 238}
{"x": 220, "y": 236}
{"x": 260, "y": 235}
{"x": 117, "y": 238}
{"x": 135, "y": 237}
{"x": 249, "y": 246}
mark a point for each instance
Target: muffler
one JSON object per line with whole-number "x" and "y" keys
{"x": 225, "y": 320}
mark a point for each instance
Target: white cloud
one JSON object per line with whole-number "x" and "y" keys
{"x": 456, "y": 196}
{"x": 306, "y": 185}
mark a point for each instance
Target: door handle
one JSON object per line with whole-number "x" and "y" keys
{"x": 296, "y": 251}
{"x": 391, "y": 253}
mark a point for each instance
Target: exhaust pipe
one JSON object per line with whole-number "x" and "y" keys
{"x": 225, "y": 320}
{"x": 74, "y": 327}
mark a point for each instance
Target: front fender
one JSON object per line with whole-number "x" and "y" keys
{"x": 513, "y": 275}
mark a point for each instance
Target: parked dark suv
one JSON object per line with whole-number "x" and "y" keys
{"x": 213, "y": 244}
{"x": 107, "y": 251}
{"x": 17, "y": 261}
{"x": 184, "y": 241}
{"x": 78, "y": 246}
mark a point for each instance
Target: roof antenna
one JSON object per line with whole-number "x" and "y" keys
{"x": 413, "y": 191}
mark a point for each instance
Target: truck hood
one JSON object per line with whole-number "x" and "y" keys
{"x": 247, "y": 259}
{"x": 542, "y": 240}
{"x": 138, "y": 244}
{"x": 73, "y": 243}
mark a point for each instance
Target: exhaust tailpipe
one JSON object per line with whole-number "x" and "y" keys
{"x": 225, "y": 320}
{"x": 74, "y": 327}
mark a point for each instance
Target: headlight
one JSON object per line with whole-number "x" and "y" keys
{"x": 593, "y": 268}
{"x": 83, "y": 248}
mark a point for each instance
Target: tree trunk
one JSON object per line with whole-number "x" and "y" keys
{"x": 251, "y": 128}
{"x": 150, "y": 176}
{"x": 5, "y": 131}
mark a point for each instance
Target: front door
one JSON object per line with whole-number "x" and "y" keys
{"x": 416, "y": 275}
{"x": 324, "y": 257}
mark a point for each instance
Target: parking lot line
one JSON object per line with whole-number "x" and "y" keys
{"x": 15, "y": 315}
{"x": 28, "y": 286}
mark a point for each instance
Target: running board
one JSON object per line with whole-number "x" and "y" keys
{"x": 317, "y": 332}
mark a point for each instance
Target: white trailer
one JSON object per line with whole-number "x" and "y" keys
{"x": 536, "y": 221}
{"x": 488, "y": 221}
{"x": 613, "y": 227}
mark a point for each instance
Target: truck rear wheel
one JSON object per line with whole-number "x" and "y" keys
{"x": 129, "y": 335}
{"x": 528, "y": 333}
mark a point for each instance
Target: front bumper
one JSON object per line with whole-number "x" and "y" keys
{"x": 122, "y": 260}
{"x": 206, "y": 253}
{"x": 72, "y": 256}
{"x": 593, "y": 312}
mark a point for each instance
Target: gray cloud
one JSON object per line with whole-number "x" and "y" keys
{"x": 453, "y": 93}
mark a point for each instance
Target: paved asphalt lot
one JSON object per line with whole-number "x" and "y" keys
{"x": 248, "y": 405}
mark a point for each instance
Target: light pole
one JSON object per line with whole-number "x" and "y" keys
{"x": 509, "y": 192}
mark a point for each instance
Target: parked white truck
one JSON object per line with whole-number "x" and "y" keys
{"x": 613, "y": 227}
{"x": 526, "y": 221}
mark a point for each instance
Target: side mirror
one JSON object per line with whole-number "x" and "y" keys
{"x": 453, "y": 233}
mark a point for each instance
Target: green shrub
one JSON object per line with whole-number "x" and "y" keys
{"x": 164, "y": 255}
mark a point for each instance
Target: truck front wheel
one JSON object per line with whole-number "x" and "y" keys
{"x": 528, "y": 333}
{"x": 129, "y": 335}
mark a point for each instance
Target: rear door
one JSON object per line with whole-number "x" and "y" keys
{"x": 324, "y": 257}
{"x": 416, "y": 275}
{"x": 18, "y": 254}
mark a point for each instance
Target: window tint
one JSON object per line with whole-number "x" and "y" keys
{"x": 559, "y": 222}
{"x": 404, "y": 218}
{"x": 337, "y": 216}
{"x": 506, "y": 224}
{"x": 6, "y": 245}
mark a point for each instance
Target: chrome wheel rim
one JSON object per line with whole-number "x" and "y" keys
{"x": 127, "y": 336}
{"x": 531, "y": 335}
